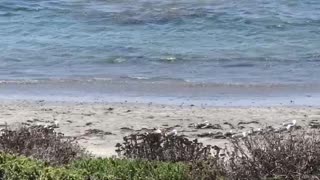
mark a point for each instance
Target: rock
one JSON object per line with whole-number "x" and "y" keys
{"x": 126, "y": 129}
{"x": 36, "y": 120}
{"x": 205, "y": 125}
{"x": 183, "y": 130}
{"x": 269, "y": 129}
{"x": 279, "y": 130}
{"x": 96, "y": 132}
{"x": 88, "y": 114}
{"x": 220, "y": 136}
{"x": 88, "y": 123}
{"x": 229, "y": 124}
{"x": 206, "y": 134}
{"x": 24, "y": 123}
{"x": 229, "y": 134}
{"x": 217, "y": 135}
{"x": 46, "y": 109}
{"x": 145, "y": 130}
{"x": 249, "y": 122}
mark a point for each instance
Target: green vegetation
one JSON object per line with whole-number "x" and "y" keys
{"x": 32, "y": 153}
{"x": 41, "y": 153}
{"x": 22, "y": 168}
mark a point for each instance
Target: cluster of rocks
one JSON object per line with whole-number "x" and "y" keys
{"x": 96, "y": 132}
{"x": 236, "y": 131}
{"x": 285, "y": 127}
{"x": 46, "y": 124}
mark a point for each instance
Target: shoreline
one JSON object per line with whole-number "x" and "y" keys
{"x": 99, "y": 126}
{"x": 161, "y": 92}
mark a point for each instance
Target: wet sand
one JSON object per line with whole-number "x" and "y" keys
{"x": 161, "y": 92}
{"x": 99, "y": 126}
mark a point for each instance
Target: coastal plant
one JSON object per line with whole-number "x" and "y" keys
{"x": 274, "y": 156}
{"x": 199, "y": 159}
{"x": 41, "y": 143}
{"x": 271, "y": 155}
{"x": 14, "y": 167}
{"x": 115, "y": 168}
{"x": 22, "y": 168}
{"x": 160, "y": 147}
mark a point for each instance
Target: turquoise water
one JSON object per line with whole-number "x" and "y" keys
{"x": 202, "y": 41}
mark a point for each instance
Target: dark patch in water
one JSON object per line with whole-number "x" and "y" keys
{"x": 240, "y": 65}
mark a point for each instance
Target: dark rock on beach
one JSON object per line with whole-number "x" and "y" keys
{"x": 96, "y": 132}
{"x": 126, "y": 129}
{"x": 248, "y": 122}
{"x": 88, "y": 123}
{"x": 229, "y": 124}
{"x": 205, "y": 125}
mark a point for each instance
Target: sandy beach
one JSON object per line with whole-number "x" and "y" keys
{"x": 99, "y": 126}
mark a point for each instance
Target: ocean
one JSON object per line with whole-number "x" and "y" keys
{"x": 184, "y": 45}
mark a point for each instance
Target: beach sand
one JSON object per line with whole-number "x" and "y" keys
{"x": 99, "y": 126}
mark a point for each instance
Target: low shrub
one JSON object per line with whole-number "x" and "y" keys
{"x": 275, "y": 156}
{"x": 201, "y": 163}
{"x": 41, "y": 143}
{"x": 157, "y": 146}
{"x": 269, "y": 155}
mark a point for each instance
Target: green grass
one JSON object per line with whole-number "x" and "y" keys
{"x": 22, "y": 168}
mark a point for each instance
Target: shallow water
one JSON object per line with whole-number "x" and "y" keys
{"x": 201, "y": 41}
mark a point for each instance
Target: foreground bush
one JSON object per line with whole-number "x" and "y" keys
{"x": 172, "y": 148}
{"x": 269, "y": 155}
{"x": 275, "y": 156}
{"x": 21, "y": 168}
{"x": 41, "y": 143}
{"x": 53, "y": 149}
{"x": 157, "y": 146}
